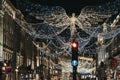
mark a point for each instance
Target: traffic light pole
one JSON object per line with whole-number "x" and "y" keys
{"x": 74, "y": 61}
{"x": 74, "y": 72}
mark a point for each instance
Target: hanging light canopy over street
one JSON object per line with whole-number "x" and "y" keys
{"x": 53, "y": 39}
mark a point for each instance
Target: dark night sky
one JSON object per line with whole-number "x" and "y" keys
{"x": 71, "y": 5}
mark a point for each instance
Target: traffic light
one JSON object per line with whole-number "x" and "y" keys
{"x": 74, "y": 46}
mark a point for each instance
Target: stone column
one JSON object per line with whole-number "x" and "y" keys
{"x": 38, "y": 56}
{"x": 21, "y": 60}
{"x": 37, "y": 62}
{"x": 1, "y": 38}
{"x": 1, "y": 35}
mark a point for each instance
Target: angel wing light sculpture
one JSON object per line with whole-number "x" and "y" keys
{"x": 88, "y": 20}
{"x": 56, "y": 16}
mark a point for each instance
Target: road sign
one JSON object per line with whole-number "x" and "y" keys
{"x": 74, "y": 63}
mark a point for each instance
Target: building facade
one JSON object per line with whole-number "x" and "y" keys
{"x": 19, "y": 57}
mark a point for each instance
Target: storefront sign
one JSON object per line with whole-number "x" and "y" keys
{"x": 8, "y": 69}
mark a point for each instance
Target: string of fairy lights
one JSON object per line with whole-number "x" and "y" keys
{"x": 56, "y": 19}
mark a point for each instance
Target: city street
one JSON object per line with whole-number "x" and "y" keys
{"x": 59, "y": 39}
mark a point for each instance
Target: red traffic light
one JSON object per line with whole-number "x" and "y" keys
{"x": 74, "y": 49}
{"x": 74, "y": 44}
